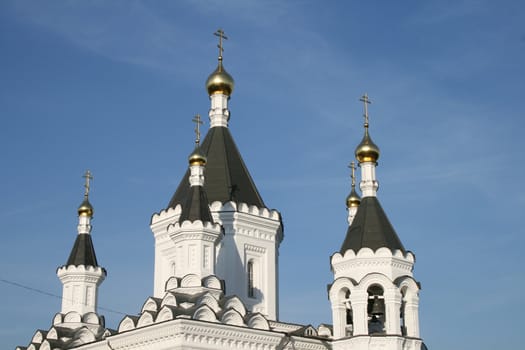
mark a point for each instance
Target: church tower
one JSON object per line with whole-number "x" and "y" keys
{"x": 246, "y": 251}
{"x": 82, "y": 275}
{"x": 374, "y": 296}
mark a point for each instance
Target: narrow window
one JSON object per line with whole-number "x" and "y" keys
{"x": 251, "y": 289}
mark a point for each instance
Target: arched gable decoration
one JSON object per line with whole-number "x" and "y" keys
{"x": 172, "y": 283}
{"x": 232, "y": 317}
{"x": 212, "y": 282}
{"x": 72, "y": 316}
{"x": 146, "y": 318}
{"x": 91, "y": 318}
{"x": 169, "y": 299}
{"x": 127, "y": 323}
{"x": 235, "y": 303}
{"x": 39, "y": 336}
{"x": 204, "y": 313}
{"x": 151, "y": 304}
{"x": 258, "y": 321}
{"x": 165, "y": 314}
{"x": 209, "y": 299}
{"x": 191, "y": 280}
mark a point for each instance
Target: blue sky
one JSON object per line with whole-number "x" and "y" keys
{"x": 112, "y": 86}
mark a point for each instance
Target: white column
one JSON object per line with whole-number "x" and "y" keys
{"x": 219, "y": 113}
{"x": 392, "y": 308}
{"x": 84, "y": 224}
{"x": 368, "y": 184}
{"x": 339, "y": 319}
{"x": 412, "y": 316}
{"x": 196, "y": 175}
{"x": 359, "y": 301}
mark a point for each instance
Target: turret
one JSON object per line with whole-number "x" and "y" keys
{"x": 352, "y": 200}
{"x": 81, "y": 275}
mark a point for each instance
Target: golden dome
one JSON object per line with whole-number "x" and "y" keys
{"x": 85, "y": 209}
{"x": 353, "y": 199}
{"x": 220, "y": 82}
{"x": 196, "y": 158}
{"x": 367, "y": 150}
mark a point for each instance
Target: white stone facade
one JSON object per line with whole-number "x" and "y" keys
{"x": 249, "y": 234}
{"x": 358, "y": 278}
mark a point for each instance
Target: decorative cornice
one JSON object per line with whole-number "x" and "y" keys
{"x": 254, "y": 248}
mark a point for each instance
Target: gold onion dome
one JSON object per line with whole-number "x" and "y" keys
{"x": 220, "y": 82}
{"x": 367, "y": 150}
{"x": 353, "y": 199}
{"x": 85, "y": 208}
{"x": 196, "y": 158}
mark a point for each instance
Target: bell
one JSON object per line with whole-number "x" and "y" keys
{"x": 377, "y": 307}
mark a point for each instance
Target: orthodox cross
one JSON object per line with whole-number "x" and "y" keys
{"x": 220, "y": 34}
{"x": 198, "y": 122}
{"x": 88, "y": 176}
{"x": 366, "y": 101}
{"x": 352, "y": 166}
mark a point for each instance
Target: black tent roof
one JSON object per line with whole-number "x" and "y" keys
{"x": 196, "y": 206}
{"x": 83, "y": 252}
{"x": 226, "y": 175}
{"x": 371, "y": 228}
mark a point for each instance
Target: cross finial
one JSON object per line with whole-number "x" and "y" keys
{"x": 220, "y": 34}
{"x": 352, "y": 166}
{"x": 88, "y": 176}
{"x": 366, "y": 101}
{"x": 198, "y": 122}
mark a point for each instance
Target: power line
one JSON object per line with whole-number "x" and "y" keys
{"x": 43, "y": 292}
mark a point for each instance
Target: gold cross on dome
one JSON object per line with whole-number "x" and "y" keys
{"x": 220, "y": 34}
{"x": 366, "y": 101}
{"x": 198, "y": 122}
{"x": 352, "y": 166}
{"x": 88, "y": 176}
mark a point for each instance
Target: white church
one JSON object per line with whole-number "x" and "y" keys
{"x": 216, "y": 265}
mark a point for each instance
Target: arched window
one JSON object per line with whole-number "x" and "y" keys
{"x": 172, "y": 268}
{"x": 251, "y": 287}
{"x": 376, "y": 310}
{"x": 349, "y": 328}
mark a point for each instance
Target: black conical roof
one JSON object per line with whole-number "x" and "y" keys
{"x": 371, "y": 228}
{"x": 196, "y": 206}
{"x": 227, "y": 178}
{"x": 83, "y": 252}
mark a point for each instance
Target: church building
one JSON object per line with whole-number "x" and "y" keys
{"x": 217, "y": 263}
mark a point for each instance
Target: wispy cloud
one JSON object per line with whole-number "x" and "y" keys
{"x": 122, "y": 31}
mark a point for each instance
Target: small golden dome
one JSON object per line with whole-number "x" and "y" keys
{"x": 196, "y": 158}
{"x": 353, "y": 199}
{"x": 219, "y": 82}
{"x": 367, "y": 150}
{"x": 85, "y": 209}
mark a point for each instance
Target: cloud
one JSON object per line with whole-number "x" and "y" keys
{"x": 122, "y": 31}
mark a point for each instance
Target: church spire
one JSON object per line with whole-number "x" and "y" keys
{"x": 352, "y": 200}
{"x": 220, "y": 87}
{"x": 196, "y": 205}
{"x": 367, "y": 153}
{"x": 82, "y": 275}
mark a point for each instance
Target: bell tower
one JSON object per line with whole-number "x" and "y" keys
{"x": 374, "y": 296}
